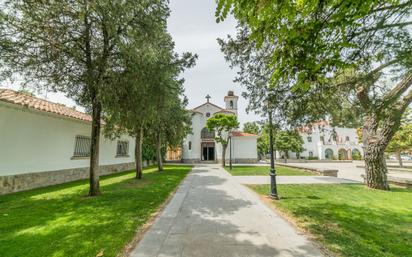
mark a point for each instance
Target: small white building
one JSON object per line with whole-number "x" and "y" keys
{"x": 44, "y": 143}
{"x": 324, "y": 142}
{"x": 200, "y": 145}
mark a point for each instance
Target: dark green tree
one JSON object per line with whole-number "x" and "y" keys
{"x": 288, "y": 141}
{"x": 74, "y": 47}
{"x": 171, "y": 122}
{"x": 251, "y": 127}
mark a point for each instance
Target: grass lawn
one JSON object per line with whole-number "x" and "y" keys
{"x": 61, "y": 221}
{"x": 351, "y": 220}
{"x": 264, "y": 171}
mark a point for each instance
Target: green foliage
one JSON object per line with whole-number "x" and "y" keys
{"x": 286, "y": 141}
{"x": 148, "y": 151}
{"x": 60, "y": 216}
{"x": 350, "y": 220}
{"x": 313, "y": 54}
{"x": 402, "y": 140}
{"x": 251, "y": 127}
{"x": 289, "y": 107}
{"x": 314, "y": 38}
{"x": 82, "y": 48}
{"x": 222, "y": 125}
{"x": 356, "y": 155}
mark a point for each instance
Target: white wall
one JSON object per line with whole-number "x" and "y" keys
{"x": 244, "y": 147}
{"x": 317, "y": 146}
{"x": 34, "y": 141}
{"x": 199, "y": 120}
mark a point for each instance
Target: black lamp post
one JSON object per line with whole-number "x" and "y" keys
{"x": 230, "y": 151}
{"x": 273, "y": 186}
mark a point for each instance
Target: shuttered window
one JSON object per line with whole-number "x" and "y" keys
{"x": 122, "y": 148}
{"x": 82, "y": 146}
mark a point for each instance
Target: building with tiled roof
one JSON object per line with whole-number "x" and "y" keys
{"x": 31, "y": 102}
{"x": 325, "y": 142}
{"x": 45, "y": 143}
{"x": 200, "y": 145}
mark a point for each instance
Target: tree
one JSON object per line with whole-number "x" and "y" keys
{"x": 359, "y": 50}
{"x": 74, "y": 47}
{"x": 289, "y": 107}
{"x": 222, "y": 125}
{"x": 286, "y": 141}
{"x": 401, "y": 141}
{"x": 151, "y": 70}
{"x": 171, "y": 121}
{"x": 176, "y": 125}
{"x": 251, "y": 127}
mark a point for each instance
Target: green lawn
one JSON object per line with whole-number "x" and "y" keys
{"x": 264, "y": 171}
{"x": 351, "y": 220}
{"x": 62, "y": 221}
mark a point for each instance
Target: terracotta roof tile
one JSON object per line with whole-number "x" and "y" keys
{"x": 14, "y": 97}
{"x": 242, "y": 134}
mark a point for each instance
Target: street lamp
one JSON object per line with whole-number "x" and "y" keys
{"x": 272, "y": 173}
{"x": 230, "y": 151}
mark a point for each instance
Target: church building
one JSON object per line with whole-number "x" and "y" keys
{"x": 200, "y": 145}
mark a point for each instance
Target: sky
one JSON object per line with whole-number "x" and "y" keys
{"x": 194, "y": 29}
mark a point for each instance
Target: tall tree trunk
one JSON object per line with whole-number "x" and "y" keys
{"x": 224, "y": 155}
{"x": 375, "y": 167}
{"x": 398, "y": 155}
{"x": 94, "y": 148}
{"x": 159, "y": 152}
{"x": 374, "y": 154}
{"x": 138, "y": 154}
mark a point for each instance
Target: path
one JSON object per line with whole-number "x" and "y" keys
{"x": 260, "y": 180}
{"x": 212, "y": 215}
{"x": 349, "y": 170}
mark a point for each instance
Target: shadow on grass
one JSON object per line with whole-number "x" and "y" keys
{"x": 62, "y": 221}
{"x": 351, "y": 219}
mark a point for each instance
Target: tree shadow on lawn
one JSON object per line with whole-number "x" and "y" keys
{"x": 355, "y": 229}
{"x": 61, "y": 221}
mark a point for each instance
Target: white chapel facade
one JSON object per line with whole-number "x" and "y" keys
{"x": 200, "y": 145}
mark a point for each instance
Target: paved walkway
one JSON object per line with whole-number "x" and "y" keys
{"x": 260, "y": 180}
{"x": 350, "y": 170}
{"x": 212, "y": 215}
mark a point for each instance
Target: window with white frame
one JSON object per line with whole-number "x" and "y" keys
{"x": 309, "y": 139}
{"x": 82, "y": 146}
{"x": 190, "y": 145}
{"x": 310, "y": 154}
{"x": 122, "y": 148}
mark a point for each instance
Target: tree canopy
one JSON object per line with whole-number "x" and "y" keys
{"x": 251, "y": 127}
{"x": 326, "y": 51}
{"x": 114, "y": 58}
{"x": 288, "y": 141}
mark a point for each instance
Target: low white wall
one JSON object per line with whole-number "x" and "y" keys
{"x": 34, "y": 141}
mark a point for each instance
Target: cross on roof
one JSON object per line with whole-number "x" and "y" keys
{"x": 208, "y": 97}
